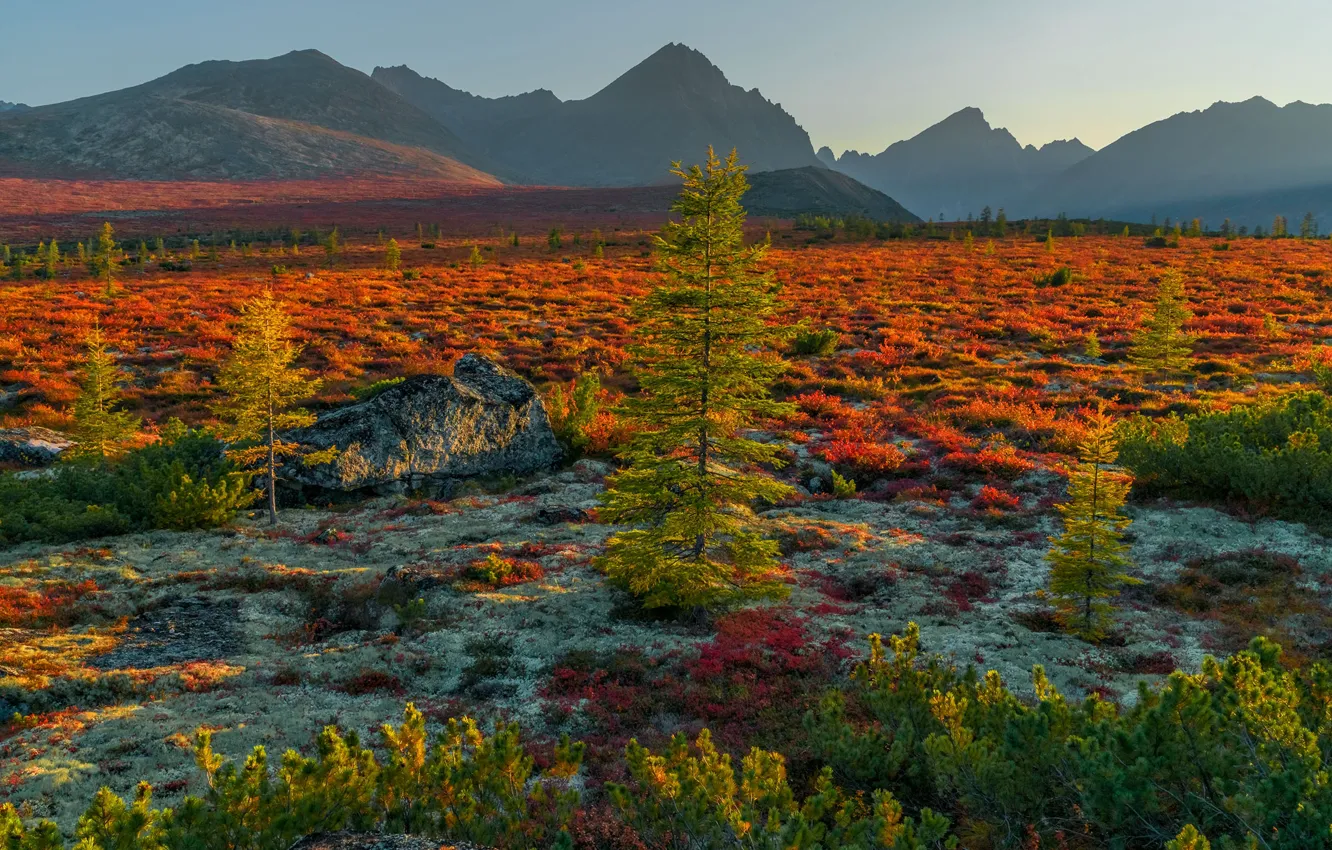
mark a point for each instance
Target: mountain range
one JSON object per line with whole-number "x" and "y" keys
{"x": 303, "y": 115}
{"x": 959, "y": 166}
{"x": 670, "y": 106}
{"x": 297, "y": 116}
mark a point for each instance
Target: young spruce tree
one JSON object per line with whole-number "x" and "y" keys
{"x": 103, "y": 261}
{"x": 392, "y": 256}
{"x": 262, "y": 386}
{"x": 100, "y": 430}
{"x": 1088, "y": 560}
{"x": 1161, "y": 344}
{"x": 687, "y": 490}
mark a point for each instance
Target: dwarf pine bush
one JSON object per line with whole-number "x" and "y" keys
{"x": 917, "y": 755}
{"x": 1274, "y": 455}
{"x": 184, "y": 481}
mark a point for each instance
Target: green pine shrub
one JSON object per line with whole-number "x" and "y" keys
{"x": 464, "y": 786}
{"x": 917, "y": 754}
{"x": 1235, "y": 751}
{"x": 182, "y": 482}
{"x": 1274, "y": 456}
{"x": 822, "y": 342}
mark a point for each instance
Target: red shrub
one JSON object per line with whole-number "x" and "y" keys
{"x": 53, "y": 604}
{"x": 994, "y": 499}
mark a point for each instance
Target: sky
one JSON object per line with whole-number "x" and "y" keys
{"x": 856, "y": 73}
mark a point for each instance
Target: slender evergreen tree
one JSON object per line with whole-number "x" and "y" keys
{"x": 1161, "y": 344}
{"x": 101, "y": 431}
{"x": 392, "y": 256}
{"x": 102, "y": 258}
{"x": 1088, "y": 560}
{"x": 703, "y": 373}
{"x": 332, "y": 245}
{"x": 262, "y": 385}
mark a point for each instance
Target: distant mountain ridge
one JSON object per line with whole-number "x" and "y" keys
{"x": 959, "y": 166}
{"x": 303, "y": 115}
{"x": 670, "y": 106}
{"x": 294, "y": 116}
{"x": 1206, "y": 163}
{"x": 813, "y": 190}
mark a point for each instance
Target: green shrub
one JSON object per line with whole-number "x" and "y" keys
{"x": 182, "y": 482}
{"x": 1235, "y": 751}
{"x": 464, "y": 786}
{"x": 679, "y": 799}
{"x": 843, "y": 488}
{"x": 1275, "y": 456}
{"x": 572, "y": 412}
{"x": 911, "y": 746}
{"x": 369, "y": 391}
{"x": 1059, "y": 277}
{"x": 822, "y": 342}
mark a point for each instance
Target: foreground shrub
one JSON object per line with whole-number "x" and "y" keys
{"x": 683, "y": 800}
{"x": 1233, "y": 754}
{"x": 464, "y": 786}
{"x": 573, "y": 411}
{"x": 1235, "y": 751}
{"x": 820, "y": 343}
{"x": 1274, "y": 456}
{"x": 183, "y": 482}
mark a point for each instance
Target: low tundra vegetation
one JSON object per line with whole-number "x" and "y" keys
{"x": 916, "y": 754}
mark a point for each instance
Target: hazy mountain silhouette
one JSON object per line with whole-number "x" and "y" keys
{"x": 6, "y": 106}
{"x": 670, "y": 106}
{"x": 298, "y": 115}
{"x": 959, "y": 166}
{"x": 477, "y": 120}
{"x": 1246, "y": 161}
{"x": 811, "y": 190}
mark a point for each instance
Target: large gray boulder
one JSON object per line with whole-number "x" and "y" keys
{"x": 430, "y": 431}
{"x": 32, "y": 446}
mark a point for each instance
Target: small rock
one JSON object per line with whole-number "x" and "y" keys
{"x": 590, "y": 471}
{"x": 32, "y": 446}
{"x": 558, "y": 515}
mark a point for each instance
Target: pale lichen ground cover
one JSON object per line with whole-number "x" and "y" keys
{"x": 236, "y": 655}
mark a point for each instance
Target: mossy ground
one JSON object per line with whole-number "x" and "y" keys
{"x": 265, "y": 636}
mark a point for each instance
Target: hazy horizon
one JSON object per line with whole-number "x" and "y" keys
{"x": 869, "y": 75}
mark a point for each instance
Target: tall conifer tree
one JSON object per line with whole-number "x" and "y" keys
{"x": 100, "y": 430}
{"x": 704, "y": 366}
{"x": 1088, "y": 560}
{"x": 1161, "y": 344}
{"x": 262, "y": 386}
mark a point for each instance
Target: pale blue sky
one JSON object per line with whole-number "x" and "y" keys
{"x": 856, "y": 73}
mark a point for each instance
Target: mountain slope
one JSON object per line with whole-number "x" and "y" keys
{"x": 476, "y": 119}
{"x": 6, "y": 106}
{"x": 812, "y": 190}
{"x": 1213, "y": 159}
{"x": 959, "y": 166}
{"x": 298, "y": 115}
{"x": 669, "y": 107}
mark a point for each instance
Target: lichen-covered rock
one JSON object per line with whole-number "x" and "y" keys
{"x": 430, "y": 430}
{"x": 32, "y": 446}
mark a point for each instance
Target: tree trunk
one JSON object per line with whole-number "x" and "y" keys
{"x": 700, "y": 542}
{"x": 272, "y": 466}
